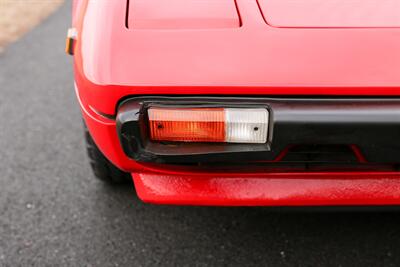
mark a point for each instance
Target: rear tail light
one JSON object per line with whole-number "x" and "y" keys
{"x": 229, "y": 125}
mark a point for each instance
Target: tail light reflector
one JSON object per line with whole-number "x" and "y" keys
{"x": 229, "y": 125}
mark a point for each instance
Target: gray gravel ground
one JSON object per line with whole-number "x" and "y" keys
{"x": 53, "y": 212}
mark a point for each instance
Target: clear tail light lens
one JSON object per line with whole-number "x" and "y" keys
{"x": 246, "y": 125}
{"x": 229, "y": 125}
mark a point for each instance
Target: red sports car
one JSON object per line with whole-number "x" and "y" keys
{"x": 242, "y": 102}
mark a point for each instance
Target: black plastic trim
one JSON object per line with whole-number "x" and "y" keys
{"x": 371, "y": 124}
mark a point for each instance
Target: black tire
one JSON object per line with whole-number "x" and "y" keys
{"x": 102, "y": 168}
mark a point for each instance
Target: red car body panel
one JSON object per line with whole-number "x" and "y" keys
{"x": 331, "y": 13}
{"x": 158, "y": 14}
{"x": 270, "y": 189}
{"x": 237, "y": 51}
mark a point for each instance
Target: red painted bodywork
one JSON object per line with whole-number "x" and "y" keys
{"x": 160, "y": 14}
{"x": 270, "y": 189}
{"x": 331, "y": 13}
{"x": 234, "y": 51}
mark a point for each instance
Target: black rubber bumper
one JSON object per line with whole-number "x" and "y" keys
{"x": 373, "y": 125}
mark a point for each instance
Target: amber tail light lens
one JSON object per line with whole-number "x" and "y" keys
{"x": 229, "y": 125}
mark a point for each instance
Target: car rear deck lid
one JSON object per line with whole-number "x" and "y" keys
{"x": 182, "y": 14}
{"x": 331, "y": 13}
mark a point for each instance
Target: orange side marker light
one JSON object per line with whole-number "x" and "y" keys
{"x": 71, "y": 40}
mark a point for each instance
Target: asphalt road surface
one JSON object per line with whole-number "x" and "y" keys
{"x": 54, "y": 213}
